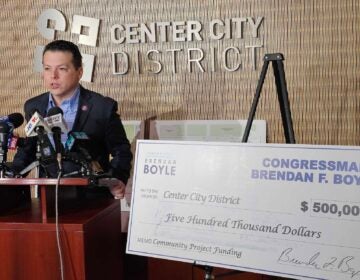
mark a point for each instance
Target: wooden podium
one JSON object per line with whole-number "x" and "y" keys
{"x": 90, "y": 237}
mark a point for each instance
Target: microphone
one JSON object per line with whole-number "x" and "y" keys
{"x": 55, "y": 119}
{"x": 78, "y": 142}
{"x": 14, "y": 120}
{"x": 16, "y": 141}
{"x": 7, "y": 125}
{"x": 76, "y": 151}
{"x": 58, "y": 125}
{"x": 38, "y": 127}
{"x": 4, "y": 135}
{"x": 79, "y": 138}
{"x": 36, "y": 124}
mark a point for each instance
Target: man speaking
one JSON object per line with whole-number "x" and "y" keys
{"x": 83, "y": 111}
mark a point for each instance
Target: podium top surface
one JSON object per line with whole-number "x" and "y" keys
{"x": 44, "y": 181}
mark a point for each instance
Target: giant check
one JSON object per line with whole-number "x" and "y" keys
{"x": 289, "y": 210}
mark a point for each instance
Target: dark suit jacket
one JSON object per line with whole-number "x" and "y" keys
{"x": 97, "y": 117}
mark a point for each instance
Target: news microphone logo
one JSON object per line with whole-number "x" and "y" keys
{"x": 12, "y": 143}
{"x": 35, "y": 121}
{"x": 73, "y": 137}
{"x": 57, "y": 121}
{"x": 15, "y": 141}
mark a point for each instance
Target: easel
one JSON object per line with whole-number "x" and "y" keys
{"x": 279, "y": 73}
{"x": 209, "y": 269}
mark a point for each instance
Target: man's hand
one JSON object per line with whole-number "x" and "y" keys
{"x": 118, "y": 190}
{"x": 116, "y": 187}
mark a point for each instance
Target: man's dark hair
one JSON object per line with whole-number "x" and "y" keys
{"x": 66, "y": 46}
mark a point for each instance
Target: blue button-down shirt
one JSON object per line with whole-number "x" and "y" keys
{"x": 69, "y": 107}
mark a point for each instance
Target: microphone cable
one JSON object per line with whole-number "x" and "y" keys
{"x": 57, "y": 226}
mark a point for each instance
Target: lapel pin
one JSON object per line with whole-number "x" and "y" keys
{"x": 84, "y": 108}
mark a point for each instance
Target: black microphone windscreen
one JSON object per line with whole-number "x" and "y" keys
{"x": 54, "y": 111}
{"x": 16, "y": 119}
